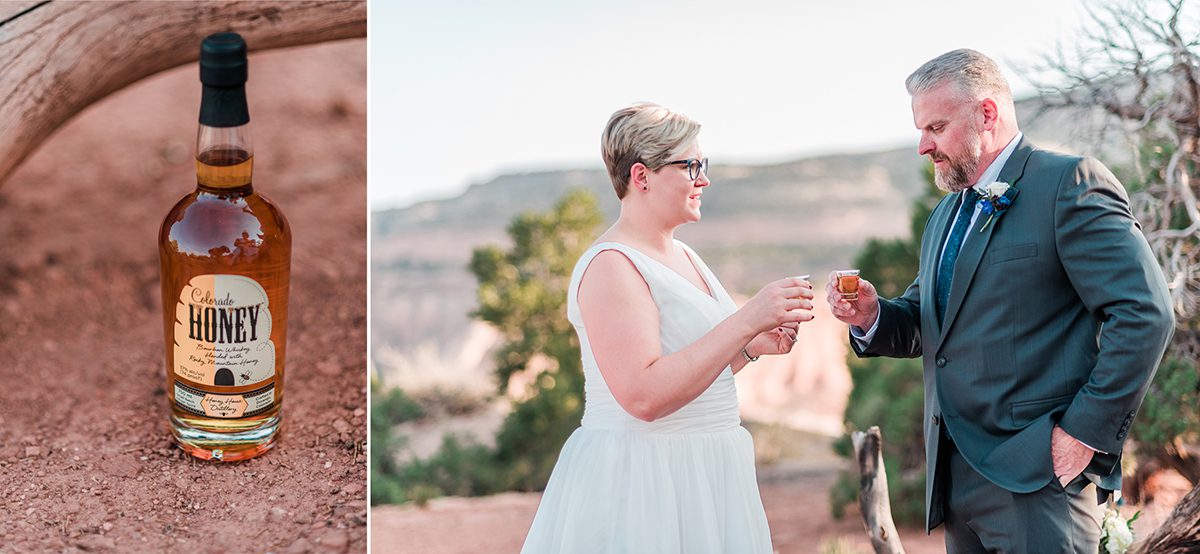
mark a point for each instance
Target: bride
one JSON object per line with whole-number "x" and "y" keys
{"x": 661, "y": 462}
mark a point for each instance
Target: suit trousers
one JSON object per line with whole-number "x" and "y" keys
{"x": 984, "y": 518}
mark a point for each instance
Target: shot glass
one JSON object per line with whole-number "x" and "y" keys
{"x": 847, "y": 283}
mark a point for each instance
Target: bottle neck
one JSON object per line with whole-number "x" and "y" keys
{"x": 224, "y": 159}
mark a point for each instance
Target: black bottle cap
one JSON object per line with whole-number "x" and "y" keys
{"x": 223, "y": 74}
{"x": 223, "y": 60}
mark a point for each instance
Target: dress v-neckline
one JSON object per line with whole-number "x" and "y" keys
{"x": 711, "y": 294}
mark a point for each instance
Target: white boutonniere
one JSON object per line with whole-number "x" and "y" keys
{"x": 994, "y": 199}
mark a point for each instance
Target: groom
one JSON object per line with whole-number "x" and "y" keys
{"x": 1040, "y": 314}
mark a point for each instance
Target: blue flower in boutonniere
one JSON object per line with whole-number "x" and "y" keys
{"x": 994, "y": 199}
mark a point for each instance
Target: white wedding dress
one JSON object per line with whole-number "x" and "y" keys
{"x": 684, "y": 483}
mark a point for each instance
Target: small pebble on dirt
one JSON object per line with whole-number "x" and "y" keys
{"x": 328, "y": 367}
{"x": 334, "y": 538}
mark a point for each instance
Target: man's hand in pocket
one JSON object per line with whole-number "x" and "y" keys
{"x": 1070, "y": 456}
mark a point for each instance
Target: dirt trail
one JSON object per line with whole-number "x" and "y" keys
{"x": 85, "y": 461}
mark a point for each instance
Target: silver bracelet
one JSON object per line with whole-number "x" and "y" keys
{"x": 748, "y": 357}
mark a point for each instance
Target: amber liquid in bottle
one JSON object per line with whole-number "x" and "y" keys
{"x": 225, "y": 254}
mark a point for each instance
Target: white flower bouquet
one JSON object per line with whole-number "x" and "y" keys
{"x": 1116, "y": 533}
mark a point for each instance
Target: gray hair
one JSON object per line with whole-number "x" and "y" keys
{"x": 645, "y": 133}
{"x": 974, "y": 75}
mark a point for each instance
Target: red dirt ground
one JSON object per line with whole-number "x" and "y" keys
{"x": 796, "y": 502}
{"x": 85, "y": 461}
{"x": 797, "y": 511}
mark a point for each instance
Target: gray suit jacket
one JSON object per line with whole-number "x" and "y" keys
{"x": 1058, "y": 314}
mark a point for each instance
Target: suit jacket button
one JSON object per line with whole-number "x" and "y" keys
{"x": 935, "y": 420}
{"x": 941, "y": 362}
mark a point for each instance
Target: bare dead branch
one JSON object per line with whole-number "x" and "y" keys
{"x": 1180, "y": 533}
{"x": 59, "y": 57}
{"x": 873, "y": 492}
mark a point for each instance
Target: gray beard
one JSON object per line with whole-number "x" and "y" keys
{"x": 957, "y": 176}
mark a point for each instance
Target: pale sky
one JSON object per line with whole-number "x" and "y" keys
{"x": 462, "y": 91}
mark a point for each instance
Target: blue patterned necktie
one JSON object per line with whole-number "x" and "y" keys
{"x": 954, "y": 242}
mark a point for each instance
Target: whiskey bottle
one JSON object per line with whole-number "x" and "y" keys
{"x": 225, "y": 254}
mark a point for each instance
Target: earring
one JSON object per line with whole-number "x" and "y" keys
{"x": 645, "y": 187}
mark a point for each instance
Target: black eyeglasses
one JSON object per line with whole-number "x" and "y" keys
{"x": 695, "y": 167}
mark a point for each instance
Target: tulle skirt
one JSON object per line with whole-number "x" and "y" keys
{"x": 617, "y": 491}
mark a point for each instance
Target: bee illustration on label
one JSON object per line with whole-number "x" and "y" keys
{"x": 245, "y": 375}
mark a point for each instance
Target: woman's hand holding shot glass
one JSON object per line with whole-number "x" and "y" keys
{"x": 790, "y": 300}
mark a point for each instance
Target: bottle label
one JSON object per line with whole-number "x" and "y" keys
{"x": 226, "y": 406}
{"x": 223, "y": 340}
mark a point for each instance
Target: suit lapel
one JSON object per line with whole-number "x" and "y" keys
{"x": 937, "y": 229}
{"x": 976, "y": 242}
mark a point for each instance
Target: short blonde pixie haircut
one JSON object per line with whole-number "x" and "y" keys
{"x": 646, "y": 133}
